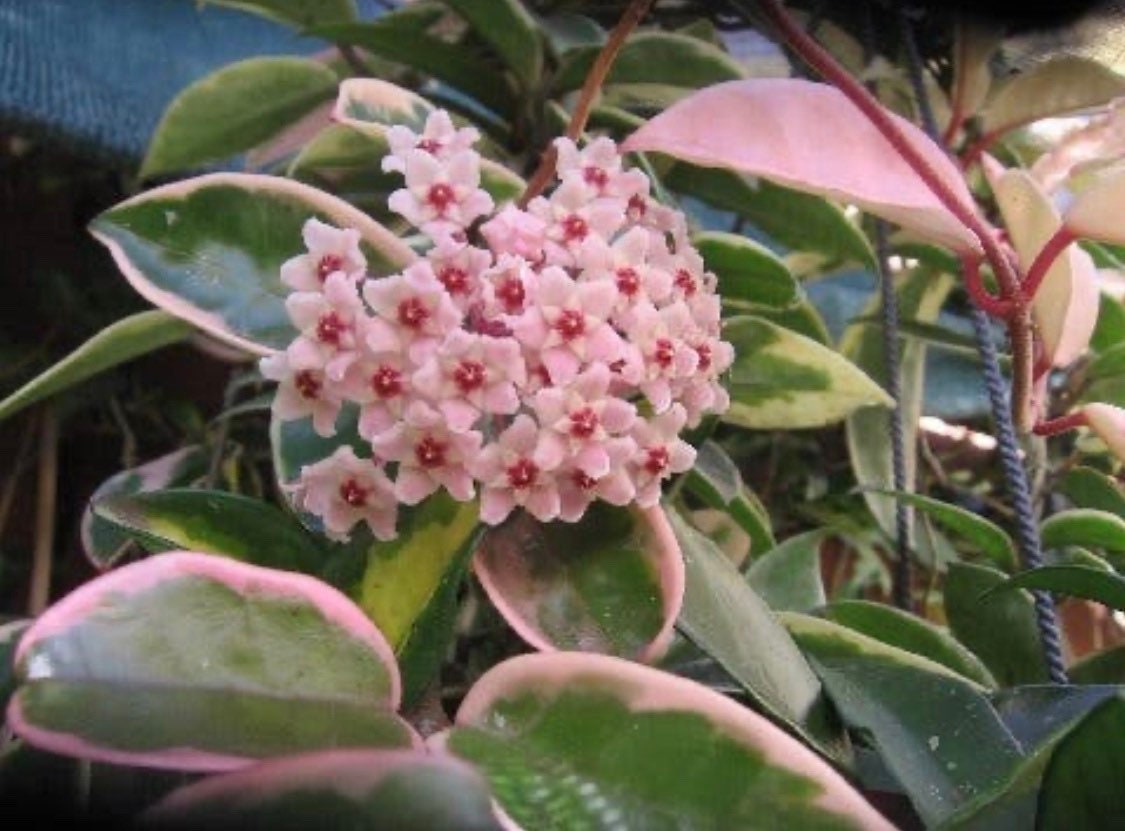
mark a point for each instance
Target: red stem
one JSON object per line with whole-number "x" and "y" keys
{"x": 1062, "y": 424}
{"x": 995, "y": 306}
{"x": 1045, "y": 259}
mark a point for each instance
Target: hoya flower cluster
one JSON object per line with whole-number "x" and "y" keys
{"x": 543, "y": 358}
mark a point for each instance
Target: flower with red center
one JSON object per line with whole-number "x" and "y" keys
{"x": 302, "y": 393}
{"x": 571, "y": 218}
{"x": 329, "y": 323}
{"x": 507, "y": 288}
{"x": 665, "y": 356}
{"x": 581, "y": 417}
{"x": 598, "y": 167}
{"x": 568, "y": 324}
{"x": 625, "y": 264}
{"x": 412, "y": 312}
{"x": 343, "y": 490}
{"x": 439, "y": 138}
{"x": 329, "y": 251}
{"x": 458, "y": 267}
{"x": 441, "y": 196}
{"x": 429, "y": 454}
{"x": 472, "y": 374}
{"x": 577, "y": 488}
{"x": 659, "y": 453}
{"x": 517, "y": 470}
{"x": 380, "y": 384}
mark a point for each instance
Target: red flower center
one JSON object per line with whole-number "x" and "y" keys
{"x": 511, "y": 294}
{"x": 430, "y": 146}
{"x": 685, "y": 282}
{"x": 583, "y": 423}
{"x": 570, "y": 324}
{"x": 636, "y": 207}
{"x": 430, "y": 452}
{"x": 522, "y": 474}
{"x": 353, "y": 493}
{"x": 657, "y": 460}
{"x": 628, "y": 281}
{"x": 328, "y": 264}
{"x": 595, "y": 176}
{"x": 583, "y": 481}
{"x": 574, "y": 228}
{"x": 412, "y": 313}
{"x": 440, "y": 197}
{"x": 704, "y": 353}
{"x": 469, "y": 375}
{"x": 330, "y": 328}
{"x": 664, "y": 353}
{"x": 455, "y": 280}
{"x": 386, "y": 382}
{"x": 307, "y": 384}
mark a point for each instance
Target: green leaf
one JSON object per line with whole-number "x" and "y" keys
{"x": 1084, "y": 527}
{"x": 973, "y": 45}
{"x": 804, "y": 319}
{"x": 10, "y": 634}
{"x": 510, "y": 30}
{"x": 610, "y": 583}
{"x": 920, "y": 297}
{"x": 724, "y": 617}
{"x": 715, "y": 480}
{"x": 1061, "y": 85}
{"x": 988, "y": 539}
{"x": 209, "y": 250}
{"x": 409, "y": 586}
{"x": 394, "y": 36}
{"x": 930, "y": 334}
{"x": 214, "y": 522}
{"x": 197, "y": 662}
{"x": 782, "y": 380}
{"x": 1001, "y": 630}
{"x": 1074, "y": 581}
{"x": 935, "y": 730}
{"x": 1039, "y": 714}
{"x": 1110, "y": 329}
{"x": 1107, "y": 364}
{"x": 1082, "y": 785}
{"x": 118, "y": 343}
{"x": 346, "y": 163}
{"x": 360, "y": 790}
{"x": 567, "y": 30}
{"x": 799, "y": 221}
{"x": 106, "y": 544}
{"x": 296, "y": 13}
{"x": 574, "y": 741}
{"x": 911, "y": 633}
{"x": 1092, "y": 489}
{"x": 750, "y": 275}
{"x": 788, "y": 577}
{"x": 1105, "y": 667}
{"x": 662, "y": 58}
{"x": 236, "y": 108}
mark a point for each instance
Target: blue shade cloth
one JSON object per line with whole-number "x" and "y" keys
{"x": 94, "y": 76}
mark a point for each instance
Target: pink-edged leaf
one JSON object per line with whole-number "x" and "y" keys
{"x": 290, "y": 140}
{"x": 209, "y": 250}
{"x": 1065, "y": 307}
{"x": 1108, "y": 422}
{"x": 199, "y": 662}
{"x": 1097, "y": 210}
{"x": 808, "y": 136}
{"x": 612, "y": 582}
{"x": 573, "y": 740}
{"x": 401, "y": 790}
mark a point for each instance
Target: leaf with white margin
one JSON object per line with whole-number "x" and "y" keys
{"x": 781, "y": 380}
{"x": 573, "y": 740}
{"x": 775, "y": 128}
{"x": 1097, "y": 209}
{"x": 196, "y": 662}
{"x": 371, "y": 106}
{"x": 1062, "y": 85}
{"x": 612, "y": 582}
{"x": 362, "y": 790}
{"x": 1065, "y": 307}
{"x": 1109, "y": 424}
{"x": 209, "y": 250}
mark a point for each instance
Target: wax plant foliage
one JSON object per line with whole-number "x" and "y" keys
{"x": 509, "y": 573}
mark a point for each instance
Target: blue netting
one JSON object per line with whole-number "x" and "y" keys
{"x": 95, "y": 75}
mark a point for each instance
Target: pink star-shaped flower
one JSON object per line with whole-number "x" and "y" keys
{"x": 518, "y": 469}
{"x": 302, "y": 393}
{"x": 577, "y": 488}
{"x": 571, "y": 219}
{"x": 343, "y": 490}
{"x": 439, "y": 138}
{"x": 329, "y": 250}
{"x": 413, "y": 312}
{"x": 660, "y": 453}
{"x": 429, "y": 455}
{"x": 441, "y": 195}
{"x": 330, "y": 324}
